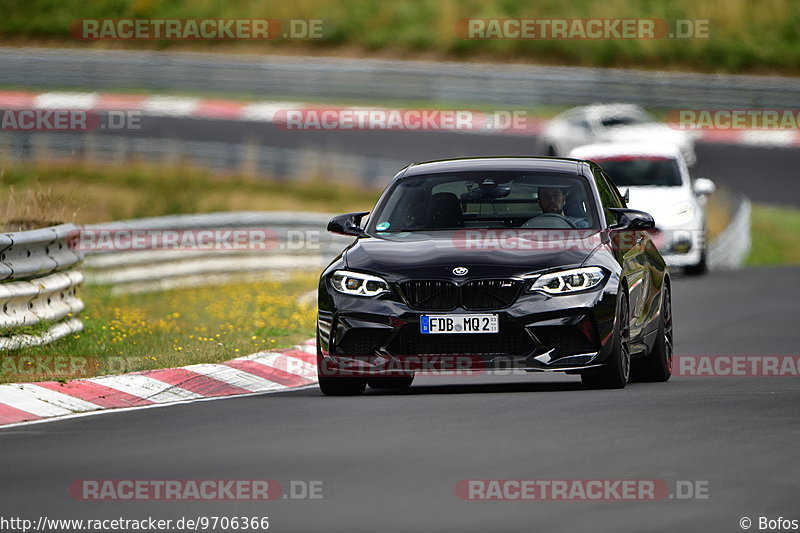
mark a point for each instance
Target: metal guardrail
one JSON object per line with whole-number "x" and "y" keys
{"x": 39, "y": 267}
{"x": 40, "y": 285}
{"x": 141, "y": 270}
{"x": 47, "y": 299}
{"x": 27, "y": 254}
{"x": 731, "y": 247}
{"x": 312, "y": 77}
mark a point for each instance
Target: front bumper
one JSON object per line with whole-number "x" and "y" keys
{"x": 538, "y": 332}
{"x": 683, "y": 245}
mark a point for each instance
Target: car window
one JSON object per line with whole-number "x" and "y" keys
{"x": 578, "y": 121}
{"x": 487, "y": 200}
{"x": 608, "y": 197}
{"x": 627, "y": 118}
{"x": 641, "y": 171}
{"x": 615, "y": 190}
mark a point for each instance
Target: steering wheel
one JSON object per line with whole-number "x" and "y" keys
{"x": 562, "y": 217}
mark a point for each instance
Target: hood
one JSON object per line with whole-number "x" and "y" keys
{"x": 663, "y": 203}
{"x": 485, "y": 253}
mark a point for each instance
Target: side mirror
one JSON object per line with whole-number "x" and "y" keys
{"x": 703, "y": 187}
{"x": 632, "y": 219}
{"x": 347, "y": 224}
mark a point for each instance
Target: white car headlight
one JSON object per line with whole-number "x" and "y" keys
{"x": 568, "y": 281}
{"x": 358, "y": 284}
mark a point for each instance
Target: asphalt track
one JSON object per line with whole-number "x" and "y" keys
{"x": 390, "y": 461}
{"x": 763, "y": 173}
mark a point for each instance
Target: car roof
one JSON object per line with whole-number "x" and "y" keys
{"x": 604, "y": 109}
{"x": 545, "y": 164}
{"x": 613, "y": 149}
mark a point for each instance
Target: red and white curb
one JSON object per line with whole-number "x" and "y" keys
{"x": 258, "y": 373}
{"x": 265, "y": 111}
{"x": 176, "y": 106}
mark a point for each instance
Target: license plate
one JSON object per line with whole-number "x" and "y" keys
{"x": 459, "y": 324}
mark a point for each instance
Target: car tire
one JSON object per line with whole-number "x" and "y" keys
{"x": 342, "y": 386}
{"x": 391, "y": 382}
{"x": 338, "y": 385}
{"x": 657, "y": 365}
{"x": 617, "y": 369}
{"x": 701, "y": 267}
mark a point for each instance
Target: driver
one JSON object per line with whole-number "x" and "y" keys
{"x": 552, "y": 199}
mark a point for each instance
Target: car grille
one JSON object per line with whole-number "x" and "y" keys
{"x": 431, "y": 294}
{"x": 513, "y": 341}
{"x": 440, "y": 295}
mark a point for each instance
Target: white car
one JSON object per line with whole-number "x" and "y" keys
{"x": 609, "y": 123}
{"x": 654, "y": 177}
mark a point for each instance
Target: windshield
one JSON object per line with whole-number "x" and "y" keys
{"x": 486, "y": 200}
{"x": 642, "y": 171}
{"x": 630, "y": 118}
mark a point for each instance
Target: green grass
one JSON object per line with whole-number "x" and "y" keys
{"x": 776, "y": 236}
{"x": 745, "y": 35}
{"x": 127, "y": 333}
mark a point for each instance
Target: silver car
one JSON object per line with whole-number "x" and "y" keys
{"x": 609, "y": 123}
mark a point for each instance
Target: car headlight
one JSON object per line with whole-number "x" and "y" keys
{"x": 358, "y": 284}
{"x": 568, "y": 281}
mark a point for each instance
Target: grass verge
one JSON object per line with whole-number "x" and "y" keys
{"x": 88, "y": 194}
{"x": 775, "y": 236}
{"x": 743, "y": 36}
{"x": 126, "y": 333}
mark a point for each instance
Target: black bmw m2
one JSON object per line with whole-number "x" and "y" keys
{"x": 495, "y": 263}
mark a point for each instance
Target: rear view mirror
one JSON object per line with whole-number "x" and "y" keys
{"x": 632, "y": 219}
{"x": 703, "y": 187}
{"x": 347, "y": 224}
